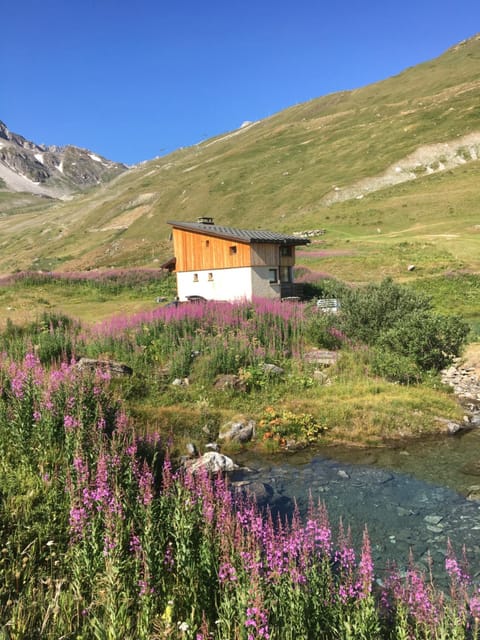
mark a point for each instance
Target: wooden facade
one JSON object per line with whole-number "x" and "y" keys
{"x": 197, "y": 252}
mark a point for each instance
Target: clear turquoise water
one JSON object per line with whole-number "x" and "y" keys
{"x": 410, "y": 497}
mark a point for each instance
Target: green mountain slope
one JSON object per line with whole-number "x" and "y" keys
{"x": 376, "y": 167}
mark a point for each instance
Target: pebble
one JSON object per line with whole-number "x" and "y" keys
{"x": 432, "y": 519}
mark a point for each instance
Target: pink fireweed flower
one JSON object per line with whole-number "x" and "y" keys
{"x": 31, "y": 361}
{"x": 458, "y": 576}
{"x": 18, "y": 383}
{"x": 227, "y": 573}
{"x": 103, "y": 375}
{"x": 144, "y": 588}
{"x": 102, "y": 493}
{"x": 345, "y": 555}
{"x": 109, "y": 544}
{"x": 474, "y": 605}
{"x": 78, "y": 520}
{"x": 70, "y": 423}
{"x": 145, "y": 484}
{"x": 365, "y": 568}
{"x": 122, "y": 422}
{"x": 135, "y": 544}
{"x": 82, "y": 470}
{"x": 257, "y": 624}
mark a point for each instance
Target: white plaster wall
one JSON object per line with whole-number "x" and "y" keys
{"x": 226, "y": 284}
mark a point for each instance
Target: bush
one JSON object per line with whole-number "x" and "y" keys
{"x": 395, "y": 367}
{"x": 430, "y": 341}
{"x": 409, "y": 337}
{"x": 369, "y": 311}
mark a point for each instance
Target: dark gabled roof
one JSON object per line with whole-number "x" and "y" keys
{"x": 247, "y": 236}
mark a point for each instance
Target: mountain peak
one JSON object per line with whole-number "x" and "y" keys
{"x": 53, "y": 171}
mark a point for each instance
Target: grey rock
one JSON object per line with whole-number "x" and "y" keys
{"x": 181, "y": 382}
{"x": 260, "y": 491}
{"x": 435, "y": 528}
{"x": 272, "y": 369}
{"x": 239, "y": 430}
{"x": 111, "y": 366}
{"x": 473, "y": 492}
{"x": 229, "y": 381}
{"x": 192, "y": 450}
{"x": 432, "y": 519}
{"x": 321, "y": 377}
{"x": 213, "y": 462}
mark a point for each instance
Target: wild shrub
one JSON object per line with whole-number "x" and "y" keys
{"x": 370, "y": 310}
{"x": 395, "y": 367}
{"x": 408, "y": 336}
{"x": 430, "y": 341}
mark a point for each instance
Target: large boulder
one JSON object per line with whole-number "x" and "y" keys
{"x": 111, "y": 366}
{"x": 213, "y": 462}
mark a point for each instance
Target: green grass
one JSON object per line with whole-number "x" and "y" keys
{"x": 88, "y": 302}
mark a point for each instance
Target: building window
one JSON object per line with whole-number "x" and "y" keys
{"x": 233, "y": 250}
{"x": 285, "y": 274}
{"x": 207, "y": 243}
{"x": 195, "y": 277}
{"x": 210, "y": 277}
{"x": 273, "y": 276}
{"x": 286, "y": 252}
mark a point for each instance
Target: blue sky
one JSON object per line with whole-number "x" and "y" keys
{"x": 132, "y": 80}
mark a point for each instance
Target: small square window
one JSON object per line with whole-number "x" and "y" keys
{"x": 210, "y": 277}
{"x": 233, "y": 250}
{"x": 273, "y": 276}
{"x": 195, "y": 277}
{"x": 286, "y": 251}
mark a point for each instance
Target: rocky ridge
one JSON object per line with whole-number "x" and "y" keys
{"x": 52, "y": 171}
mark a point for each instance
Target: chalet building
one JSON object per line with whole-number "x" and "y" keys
{"x": 223, "y": 263}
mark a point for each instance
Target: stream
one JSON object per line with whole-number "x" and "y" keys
{"x": 412, "y": 497}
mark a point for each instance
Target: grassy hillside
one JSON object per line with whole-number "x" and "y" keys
{"x": 330, "y": 163}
